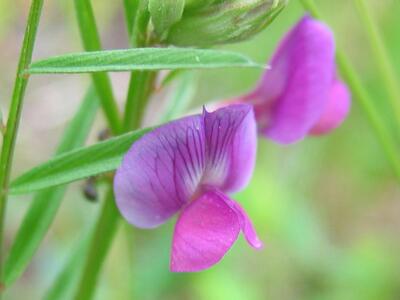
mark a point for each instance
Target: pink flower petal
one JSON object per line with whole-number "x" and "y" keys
{"x": 246, "y": 225}
{"x": 206, "y": 230}
{"x": 292, "y": 95}
{"x": 336, "y": 111}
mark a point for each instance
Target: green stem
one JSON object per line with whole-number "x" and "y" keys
{"x": 382, "y": 59}
{"x": 91, "y": 42}
{"x": 138, "y": 94}
{"x": 364, "y": 100}
{"x": 140, "y": 83}
{"x": 14, "y": 115}
{"x": 105, "y": 230}
{"x": 109, "y": 216}
{"x": 130, "y": 9}
{"x": 375, "y": 119}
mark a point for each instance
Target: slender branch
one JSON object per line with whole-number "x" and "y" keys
{"x": 106, "y": 226}
{"x": 14, "y": 115}
{"x": 140, "y": 82}
{"x": 130, "y": 9}
{"x": 382, "y": 59}
{"x": 139, "y": 90}
{"x": 375, "y": 119}
{"x": 364, "y": 100}
{"x": 91, "y": 42}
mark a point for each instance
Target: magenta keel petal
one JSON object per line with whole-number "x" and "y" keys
{"x": 204, "y": 232}
{"x": 207, "y": 229}
{"x": 336, "y": 110}
{"x": 246, "y": 225}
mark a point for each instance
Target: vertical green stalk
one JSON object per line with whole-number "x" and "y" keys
{"x": 105, "y": 230}
{"x": 364, "y": 100}
{"x": 137, "y": 19}
{"x": 382, "y": 59}
{"x": 91, "y": 42}
{"x": 375, "y": 119}
{"x": 138, "y": 94}
{"x": 109, "y": 216}
{"x": 130, "y": 8}
{"x": 14, "y": 115}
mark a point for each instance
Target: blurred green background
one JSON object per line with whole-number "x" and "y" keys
{"x": 327, "y": 208}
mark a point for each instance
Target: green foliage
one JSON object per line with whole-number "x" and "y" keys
{"x": 64, "y": 285}
{"x": 46, "y": 203}
{"x": 77, "y": 164}
{"x": 14, "y": 115}
{"x": 140, "y": 59}
{"x": 306, "y": 264}
{"x": 91, "y": 42}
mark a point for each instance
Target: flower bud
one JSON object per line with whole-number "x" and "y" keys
{"x": 222, "y": 21}
{"x": 196, "y": 4}
{"x": 165, "y": 13}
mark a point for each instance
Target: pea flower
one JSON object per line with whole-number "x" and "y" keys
{"x": 189, "y": 166}
{"x": 301, "y": 93}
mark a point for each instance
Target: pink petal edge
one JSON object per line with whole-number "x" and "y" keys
{"x": 206, "y": 229}
{"x": 337, "y": 109}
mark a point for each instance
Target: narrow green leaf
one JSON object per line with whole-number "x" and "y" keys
{"x": 46, "y": 203}
{"x": 66, "y": 282}
{"x": 14, "y": 114}
{"x": 130, "y": 8}
{"x": 77, "y": 164}
{"x": 140, "y": 59}
{"x": 2, "y": 126}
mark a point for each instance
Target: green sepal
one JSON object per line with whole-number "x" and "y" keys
{"x": 165, "y": 13}
{"x": 224, "y": 22}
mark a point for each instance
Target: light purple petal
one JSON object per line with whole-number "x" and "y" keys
{"x": 206, "y": 230}
{"x": 336, "y": 111}
{"x": 168, "y": 167}
{"x": 161, "y": 172}
{"x": 231, "y": 137}
{"x": 293, "y": 94}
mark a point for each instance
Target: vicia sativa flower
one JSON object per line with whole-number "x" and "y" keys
{"x": 189, "y": 166}
{"x": 301, "y": 93}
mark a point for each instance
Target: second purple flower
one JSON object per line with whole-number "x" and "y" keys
{"x": 301, "y": 93}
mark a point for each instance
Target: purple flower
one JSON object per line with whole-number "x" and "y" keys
{"x": 301, "y": 93}
{"x": 188, "y": 166}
